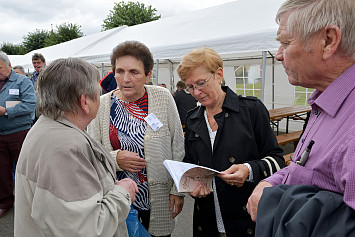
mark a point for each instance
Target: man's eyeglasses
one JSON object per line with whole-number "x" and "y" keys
{"x": 201, "y": 85}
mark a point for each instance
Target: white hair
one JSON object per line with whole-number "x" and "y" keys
{"x": 308, "y": 17}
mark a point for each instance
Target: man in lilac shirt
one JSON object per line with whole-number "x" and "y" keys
{"x": 320, "y": 55}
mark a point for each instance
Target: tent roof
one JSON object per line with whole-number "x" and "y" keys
{"x": 236, "y": 29}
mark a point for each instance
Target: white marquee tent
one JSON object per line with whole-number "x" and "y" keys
{"x": 236, "y": 29}
{"x": 239, "y": 29}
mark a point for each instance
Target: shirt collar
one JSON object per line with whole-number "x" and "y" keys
{"x": 231, "y": 101}
{"x": 331, "y": 99}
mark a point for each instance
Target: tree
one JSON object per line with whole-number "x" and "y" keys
{"x": 12, "y": 49}
{"x": 129, "y": 14}
{"x": 35, "y": 40}
{"x": 63, "y": 33}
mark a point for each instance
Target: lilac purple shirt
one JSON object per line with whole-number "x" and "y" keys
{"x": 331, "y": 161}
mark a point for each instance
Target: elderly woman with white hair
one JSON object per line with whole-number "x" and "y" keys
{"x": 65, "y": 180}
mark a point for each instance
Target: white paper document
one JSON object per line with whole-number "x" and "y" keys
{"x": 10, "y": 104}
{"x": 186, "y": 176}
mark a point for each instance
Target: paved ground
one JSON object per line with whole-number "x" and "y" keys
{"x": 183, "y": 222}
{"x": 7, "y": 224}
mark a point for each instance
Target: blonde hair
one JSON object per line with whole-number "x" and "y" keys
{"x": 308, "y": 17}
{"x": 206, "y": 57}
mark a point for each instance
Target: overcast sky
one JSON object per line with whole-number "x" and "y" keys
{"x": 19, "y": 17}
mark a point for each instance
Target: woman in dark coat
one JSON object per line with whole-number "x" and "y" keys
{"x": 229, "y": 133}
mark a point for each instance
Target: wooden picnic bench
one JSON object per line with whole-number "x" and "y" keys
{"x": 294, "y": 112}
{"x": 283, "y": 139}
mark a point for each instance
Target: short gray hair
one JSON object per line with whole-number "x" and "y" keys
{"x": 4, "y": 58}
{"x": 308, "y": 17}
{"x": 63, "y": 82}
{"x": 19, "y": 68}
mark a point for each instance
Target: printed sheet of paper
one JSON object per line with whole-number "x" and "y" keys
{"x": 10, "y": 104}
{"x": 186, "y": 176}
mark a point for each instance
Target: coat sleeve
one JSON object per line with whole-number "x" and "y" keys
{"x": 270, "y": 158}
{"x": 28, "y": 100}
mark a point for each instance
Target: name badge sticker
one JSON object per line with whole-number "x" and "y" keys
{"x": 14, "y": 91}
{"x": 153, "y": 122}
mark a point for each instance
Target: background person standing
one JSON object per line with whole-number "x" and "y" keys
{"x": 38, "y": 62}
{"x": 184, "y": 101}
{"x": 17, "y": 105}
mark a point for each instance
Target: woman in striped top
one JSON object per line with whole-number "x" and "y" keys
{"x": 140, "y": 126}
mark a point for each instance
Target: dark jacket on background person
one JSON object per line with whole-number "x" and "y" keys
{"x": 184, "y": 102}
{"x": 108, "y": 83}
{"x": 303, "y": 210}
{"x": 244, "y": 136}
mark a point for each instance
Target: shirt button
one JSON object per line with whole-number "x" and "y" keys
{"x": 250, "y": 231}
{"x": 152, "y": 218}
{"x": 302, "y": 140}
{"x": 151, "y": 181}
{"x": 244, "y": 208}
{"x": 232, "y": 160}
{"x": 196, "y": 135}
{"x": 226, "y": 115}
{"x": 316, "y": 112}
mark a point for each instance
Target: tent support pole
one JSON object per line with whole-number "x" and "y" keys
{"x": 263, "y": 77}
{"x": 157, "y": 71}
{"x": 273, "y": 81}
{"x": 171, "y": 72}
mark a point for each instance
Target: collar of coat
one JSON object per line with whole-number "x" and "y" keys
{"x": 231, "y": 102}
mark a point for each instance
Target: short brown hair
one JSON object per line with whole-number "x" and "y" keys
{"x": 206, "y": 57}
{"x": 38, "y": 56}
{"x": 135, "y": 49}
{"x": 181, "y": 84}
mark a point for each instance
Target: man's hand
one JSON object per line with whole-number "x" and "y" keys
{"x": 176, "y": 204}
{"x": 254, "y": 198}
{"x": 130, "y": 186}
{"x": 2, "y": 111}
{"x": 235, "y": 175}
{"x": 130, "y": 161}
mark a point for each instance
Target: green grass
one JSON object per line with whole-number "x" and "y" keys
{"x": 300, "y": 98}
{"x": 240, "y": 89}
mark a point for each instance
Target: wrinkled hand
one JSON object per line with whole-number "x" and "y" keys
{"x": 235, "y": 175}
{"x": 254, "y": 198}
{"x": 2, "y": 111}
{"x": 176, "y": 204}
{"x": 201, "y": 190}
{"x": 130, "y": 161}
{"x": 130, "y": 186}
